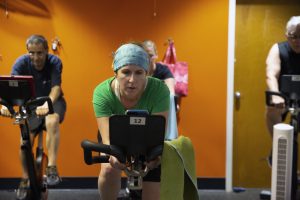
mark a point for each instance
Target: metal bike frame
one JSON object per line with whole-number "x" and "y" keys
{"x": 294, "y": 111}
{"x": 34, "y": 166}
{"x": 292, "y": 106}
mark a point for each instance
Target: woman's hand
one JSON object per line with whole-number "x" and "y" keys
{"x": 115, "y": 163}
{"x": 153, "y": 163}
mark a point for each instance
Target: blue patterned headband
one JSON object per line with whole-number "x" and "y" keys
{"x": 131, "y": 54}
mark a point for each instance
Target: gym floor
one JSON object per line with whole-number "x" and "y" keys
{"x": 92, "y": 194}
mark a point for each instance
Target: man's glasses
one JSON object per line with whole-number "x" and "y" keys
{"x": 293, "y": 36}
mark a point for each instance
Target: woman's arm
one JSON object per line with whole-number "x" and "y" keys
{"x": 103, "y": 127}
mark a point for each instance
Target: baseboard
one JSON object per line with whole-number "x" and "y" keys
{"x": 91, "y": 183}
{"x": 211, "y": 183}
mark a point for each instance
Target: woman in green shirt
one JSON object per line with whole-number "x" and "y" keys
{"x": 130, "y": 88}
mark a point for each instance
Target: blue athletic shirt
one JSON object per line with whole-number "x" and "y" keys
{"x": 45, "y": 79}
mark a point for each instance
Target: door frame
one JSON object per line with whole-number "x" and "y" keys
{"x": 230, "y": 94}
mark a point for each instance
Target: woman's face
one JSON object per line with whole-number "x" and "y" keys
{"x": 132, "y": 80}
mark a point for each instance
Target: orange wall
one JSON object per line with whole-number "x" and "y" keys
{"x": 89, "y": 32}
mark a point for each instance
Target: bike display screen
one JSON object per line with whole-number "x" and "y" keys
{"x": 290, "y": 84}
{"x": 16, "y": 90}
{"x": 137, "y": 133}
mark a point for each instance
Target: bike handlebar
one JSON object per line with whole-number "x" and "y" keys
{"x": 154, "y": 153}
{"x": 34, "y": 102}
{"x": 39, "y": 101}
{"x": 269, "y": 95}
{"x": 89, "y": 147}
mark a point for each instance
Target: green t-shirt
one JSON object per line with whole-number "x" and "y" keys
{"x": 155, "y": 99}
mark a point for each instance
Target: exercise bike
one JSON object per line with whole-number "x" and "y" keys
{"x": 18, "y": 91}
{"x": 290, "y": 92}
{"x": 134, "y": 138}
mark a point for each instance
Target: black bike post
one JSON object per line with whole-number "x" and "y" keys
{"x": 26, "y": 149}
{"x": 294, "y": 169}
{"x": 292, "y": 106}
{"x": 295, "y": 124}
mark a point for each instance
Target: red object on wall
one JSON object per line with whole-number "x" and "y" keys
{"x": 178, "y": 68}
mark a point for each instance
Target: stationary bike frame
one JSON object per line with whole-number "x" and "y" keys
{"x": 126, "y": 153}
{"x": 291, "y": 106}
{"x": 35, "y": 166}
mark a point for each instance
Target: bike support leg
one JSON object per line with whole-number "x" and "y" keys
{"x": 26, "y": 149}
{"x": 294, "y": 169}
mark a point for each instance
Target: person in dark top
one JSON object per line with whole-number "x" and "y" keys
{"x": 46, "y": 70}
{"x": 159, "y": 70}
{"x": 283, "y": 58}
{"x": 162, "y": 72}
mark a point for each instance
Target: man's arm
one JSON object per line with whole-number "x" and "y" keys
{"x": 55, "y": 93}
{"x": 56, "y": 72}
{"x": 272, "y": 73}
{"x": 273, "y": 68}
{"x": 16, "y": 70}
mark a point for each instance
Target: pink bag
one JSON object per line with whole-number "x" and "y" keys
{"x": 179, "y": 70}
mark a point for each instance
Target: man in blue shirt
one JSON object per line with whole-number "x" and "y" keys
{"x": 46, "y": 70}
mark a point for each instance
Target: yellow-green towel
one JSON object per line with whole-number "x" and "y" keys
{"x": 178, "y": 178}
